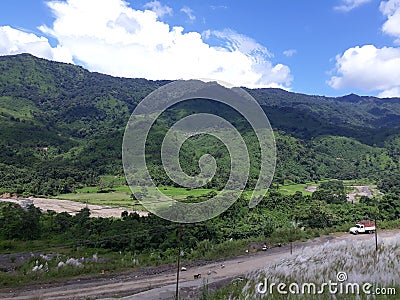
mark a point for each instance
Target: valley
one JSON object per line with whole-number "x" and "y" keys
{"x": 80, "y": 226}
{"x": 117, "y": 200}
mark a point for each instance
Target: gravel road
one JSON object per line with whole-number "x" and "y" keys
{"x": 159, "y": 282}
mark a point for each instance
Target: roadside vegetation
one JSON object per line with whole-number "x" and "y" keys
{"x": 352, "y": 267}
{"x": 131, "y": 241}
{"x": 61, "y": 130}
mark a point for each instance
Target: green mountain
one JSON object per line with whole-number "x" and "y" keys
{"x": 368, "y": 119}
{"x": 61, "y": 127}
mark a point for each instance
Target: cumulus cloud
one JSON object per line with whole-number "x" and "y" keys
{"x": 348, "y": 5}
{"x": 391, "y": 9}
{"x": 14, "y": 41}
{"x": 189, "y": 12}
{"x": 262, "y": 72}
{"x": 159, "y": 9}
{"x": 368, "y": 68}
{"x": 391, "y": 93}
{"x": 113, "y": 38}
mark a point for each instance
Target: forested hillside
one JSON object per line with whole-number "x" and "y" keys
{"x": 61, "y": 127}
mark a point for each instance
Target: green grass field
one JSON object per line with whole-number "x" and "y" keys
{"x": 113, "y": 191}
{"x": 291, "y": 189}
{"x": 120, "y": 195}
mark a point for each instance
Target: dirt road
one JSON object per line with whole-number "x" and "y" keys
{"x": 159, "y": 282}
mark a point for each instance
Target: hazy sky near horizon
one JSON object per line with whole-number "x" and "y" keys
{"x": 318, "y": 47}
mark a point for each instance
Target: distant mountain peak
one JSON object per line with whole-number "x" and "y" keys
{"x": 351, "y": 98}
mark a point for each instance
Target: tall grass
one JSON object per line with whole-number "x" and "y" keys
{"x": 319, "y": 264}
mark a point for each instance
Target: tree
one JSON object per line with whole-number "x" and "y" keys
{"x": 316, "y": 215}
{"x": 17, "y": 223}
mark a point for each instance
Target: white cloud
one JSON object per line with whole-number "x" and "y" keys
{"x": 263, "y": 73}
{"x": 391, "y": 93}
{"x": 112, "y": 38}
{"x": 159, "y": 9}
{"x": 189, "y": 12}
{"x": 348, "y": 5}
{"x": 238, "y": 42}
{"x": 289, "y": 52}
{"x": 14, "y": 41}
{"x": 368, "y": 68}
{"x": 391, "y": 9}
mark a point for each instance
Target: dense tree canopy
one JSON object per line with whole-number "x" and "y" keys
{"x": 62, "y": 127}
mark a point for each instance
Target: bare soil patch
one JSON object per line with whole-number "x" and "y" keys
{"x": 72, "y": 207}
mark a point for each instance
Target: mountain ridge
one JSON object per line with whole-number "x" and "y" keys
{"x": 80, "y": 116}
{"x": 72, "y": 89}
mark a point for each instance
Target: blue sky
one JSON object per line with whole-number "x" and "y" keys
{"x": 318, "y": 47}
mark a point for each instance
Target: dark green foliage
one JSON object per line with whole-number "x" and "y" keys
{"x": 276, "y": 213}
{"x": 331, "y": 192}
{"x": 334, "y": 186}
{"x": 389, "y": 207}
{"x": 275, "y": 221}
{"x": 390, "y": 183}
{"x": 62, "y": 127}
{"x": 17, "y": 223}
{"x": 368, "y": 119}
